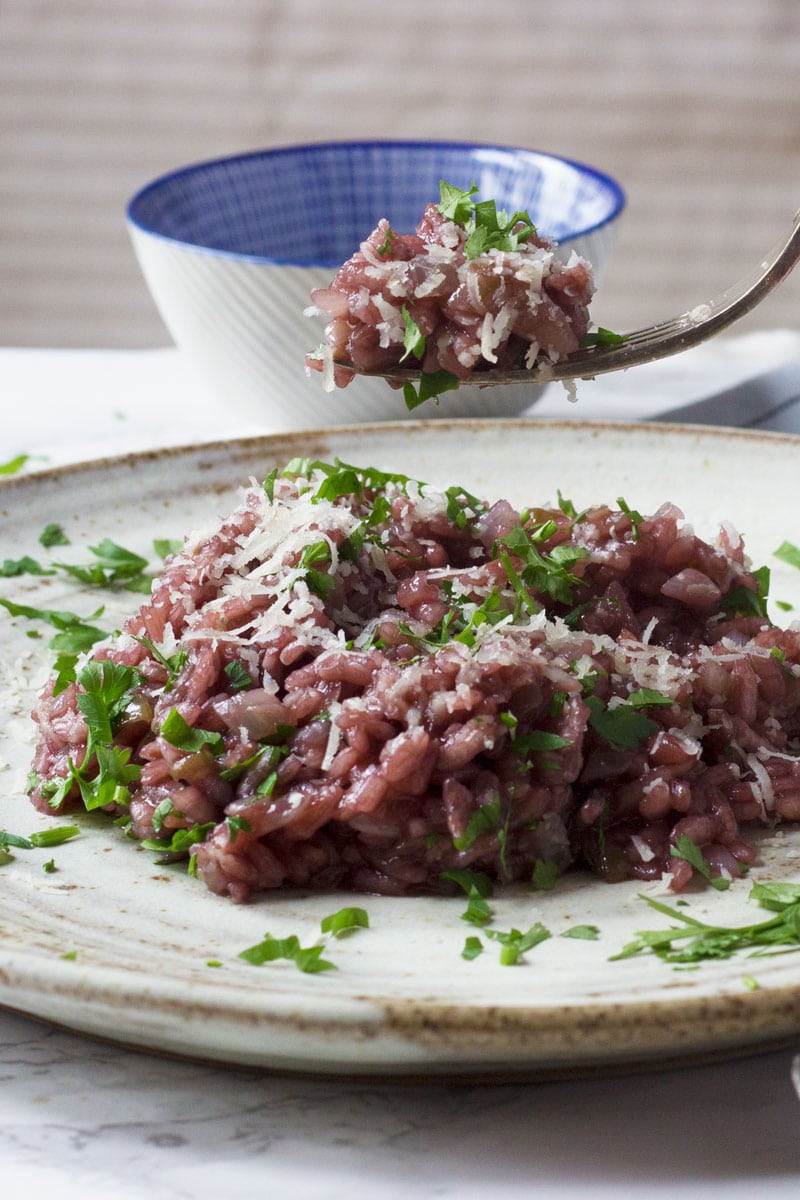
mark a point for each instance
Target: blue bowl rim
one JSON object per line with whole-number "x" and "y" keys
{"x": 608, "y": 181}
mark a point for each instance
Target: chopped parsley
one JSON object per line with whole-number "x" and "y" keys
{"x": 269, "y": 485}
{"x": 487, "y": 819}
{"x": 12, "y": 567}
{"x": 237, "y": 825}
{"x": 414, "y": 339}
{"x": 319, "y": 582}
{"x": 183, "y": 736}
{"x": 743, "y": 601}
{"x": 345, "y": 921}
{"x": 74, "y": 637}
{"x": 238, "y": 675}
{"x": 693, "y": 941}
{"x": 623, "y": 726}
{"x": 473, "y": 946}
{"x": 106, "y": 691}
{"x": 14, "y": 465}
{"x": 364, "y": 478}
{"x": 538, "y": 741}
{"x": 42, "y": 839}
{"x": 163, "y": 810}
{"x": 385, "y": 248}
{"x": 545, "y": 874}
{"x": 488, "y": 228}
{"x": 165, "y": 547}
{"x": 688, "y": 850}
{"x": 114, "y": 567}
{"x": 514, "y": 943}
{"x": 308, "y": 959}
{"x": 603, "y": 337}
{"x": 478, "y": 888}
{"x": 179, "y": 841}
{"x": 543, "y": 572}
{"x": 430, "y": 387}
{"x": 633, "y": 514}
{"x": 54, "y": 837}
{"x": 172, "y": 663}
{"x": 789, "y": 553}
{"x": 15, "y": 840}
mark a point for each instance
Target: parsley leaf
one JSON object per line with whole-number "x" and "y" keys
{"x": 15, "y": 840}
{"x": 647, "y": 698}
{"x": 345, "y": 921}
{"x": 688, "y": 850}
{"x": 431, "y": 386}
{"x": 488, "y": 228}
{"x": 473, "y": 947}
{"x": 603, "y": 337}
{"x": 106, "y": 686}
{"x": 414, "y": 339}
{"x": 238, "y": 675}
{"x": 115, "y": 567}
{"x": 485, "y": 819}
{"x": 13, "y": 567}
{"x": 545, "y": 874}
{"x": 633, "y": 514}
{"x": 164, "y": 547}
{"x": 179, "y": 841}
{"x": 743, "y": 601}
{"x": 514, "y": 943}
{"x": 455, "y": 204}
{"x": 789, "y": 553}
{"x": 55, "y": 836}
{"x": 478, "y": 888}
{"x": 543, "y": 572}
{"x": 586, "y": 933}
{"x": 178, "y": 733}
{"x": 319, "y": 582}
{"x": 623, "y": 726}
{"x": 14, "y": 464}
{"x": 695, "y": 941}
{"x": 270, "y": 949}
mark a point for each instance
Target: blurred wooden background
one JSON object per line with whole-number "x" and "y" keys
{"x": 694, "y": 106}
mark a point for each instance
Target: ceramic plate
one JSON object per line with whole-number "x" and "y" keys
{"x": 139, "y": 937}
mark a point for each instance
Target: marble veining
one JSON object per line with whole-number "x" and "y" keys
{"x": 84, "y": 1118}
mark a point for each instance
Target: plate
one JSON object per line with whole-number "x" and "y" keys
{"x": 113, "y": 944}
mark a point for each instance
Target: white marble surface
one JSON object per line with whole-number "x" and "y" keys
{"x": 80, "y": 1119}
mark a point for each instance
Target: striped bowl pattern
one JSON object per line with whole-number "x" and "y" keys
{"x": 231, "y": 249}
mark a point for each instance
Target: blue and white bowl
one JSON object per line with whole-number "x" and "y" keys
{"x": 231, "y": 249}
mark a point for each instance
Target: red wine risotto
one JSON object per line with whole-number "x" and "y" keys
{"x": 471, "y": 289}
{"x": 359, "y": 681}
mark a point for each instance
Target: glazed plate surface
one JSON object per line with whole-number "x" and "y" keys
{"x": 113, "y": 944}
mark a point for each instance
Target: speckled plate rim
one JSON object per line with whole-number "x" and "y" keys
{"x": 375, "y": 1032}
